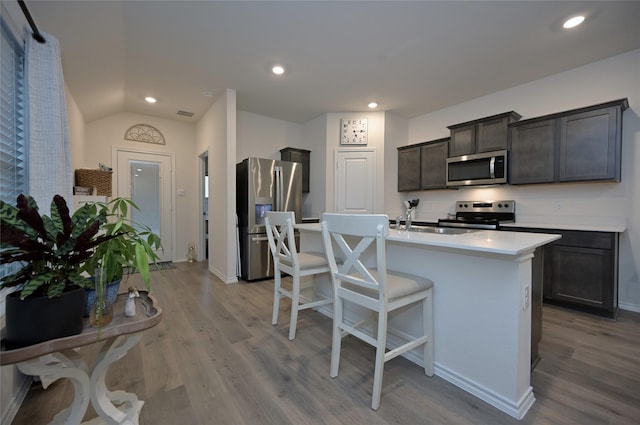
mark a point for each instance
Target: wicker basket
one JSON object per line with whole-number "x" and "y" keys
{"x": 99, "y": 179}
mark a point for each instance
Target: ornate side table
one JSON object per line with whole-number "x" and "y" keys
{"x": 55, "y": 359}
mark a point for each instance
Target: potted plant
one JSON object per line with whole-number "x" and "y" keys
{"x": 50, "y": 253}
{"x": 130, "y": 247}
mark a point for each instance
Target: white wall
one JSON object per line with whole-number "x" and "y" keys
{"x": 314, "y": 137}
{"x": 263, "y": 137}
{"x": 216, "y": 133}
{"x": 584, "y": 203}
{"x": 396, "y": 134}
{"x": 75, "y": 120}
{"x": 104, "y": 134}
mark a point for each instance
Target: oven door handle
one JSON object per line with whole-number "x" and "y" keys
{"x": 469, "y": 225}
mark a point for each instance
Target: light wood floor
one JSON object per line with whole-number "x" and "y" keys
{"x": 216, "y": 359}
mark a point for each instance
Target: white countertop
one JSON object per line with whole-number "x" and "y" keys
{"x": 498, "y": 242}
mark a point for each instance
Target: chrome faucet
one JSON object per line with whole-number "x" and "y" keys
{"x": 407, "y": 219}
{"x": 398, "y": 218}
{"x": 409, "y": 207}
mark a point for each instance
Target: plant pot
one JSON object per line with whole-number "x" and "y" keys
{"x": 38, "y": 319}
{"x": 90, "y": 295}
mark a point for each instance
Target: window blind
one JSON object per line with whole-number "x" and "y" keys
{"x": 13, "y": 153}
{"x": 13, "y": 149}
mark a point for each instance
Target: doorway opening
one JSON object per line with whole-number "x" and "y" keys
{"x": 204, "y": 205}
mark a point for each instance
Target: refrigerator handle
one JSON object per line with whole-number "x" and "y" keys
{"x": 279, "y": 183}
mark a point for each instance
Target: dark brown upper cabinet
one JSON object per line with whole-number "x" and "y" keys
{"x": 423, "y": 166}
{"x": 301, "y": 156}
{"x": 481, "y": 135}
{"x": 578, "y": 145}
{"x": 408, "y": 168}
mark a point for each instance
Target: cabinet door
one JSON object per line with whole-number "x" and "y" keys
{"x": 463, "y": 141}
{"x": 433, "y": 166}
{"x": 589, "y": 148}
{"x": 492, "y": 135}
{"x": 533, "y": 153}
{"x": 581, "y": 277}
{"x": 409, "y": 169}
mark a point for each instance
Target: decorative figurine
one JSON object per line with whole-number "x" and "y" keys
{"x": 130, "y": 305}
{"x": 191, "y": 253}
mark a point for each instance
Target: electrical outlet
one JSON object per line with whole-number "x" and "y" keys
{"x": 525, "y": 297}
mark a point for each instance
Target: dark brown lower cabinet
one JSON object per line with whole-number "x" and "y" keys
{"x": 581, "y": 271}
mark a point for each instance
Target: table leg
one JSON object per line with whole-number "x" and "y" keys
{"x": 58, "y": 365}
{"x": 102, "y": 399}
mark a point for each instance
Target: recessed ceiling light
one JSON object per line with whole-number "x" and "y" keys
{"x": 573, "y": 22}
{"x": 150, "y": 99}
{"x": 278, "y": 69}
{"x": 372, "y": 105}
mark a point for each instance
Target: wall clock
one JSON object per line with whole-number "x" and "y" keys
{"x": 353, "y": 131}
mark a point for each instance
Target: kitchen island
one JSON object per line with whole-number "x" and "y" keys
{"x": 482, "y": 307}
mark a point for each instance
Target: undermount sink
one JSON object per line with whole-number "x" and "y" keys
{"x": 441, "y": 230}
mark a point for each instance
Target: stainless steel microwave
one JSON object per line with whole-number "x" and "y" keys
{"x": 479, "y": 169}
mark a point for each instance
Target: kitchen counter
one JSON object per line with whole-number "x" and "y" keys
{"x": 482, "y": 307}
{"x": 587, "y": 224}
{"x": 488, "y": 241}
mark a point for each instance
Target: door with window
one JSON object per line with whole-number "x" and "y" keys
{"x": 146, "y": 178}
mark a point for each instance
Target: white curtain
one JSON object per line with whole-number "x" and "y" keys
{"x": 48, "y": 134}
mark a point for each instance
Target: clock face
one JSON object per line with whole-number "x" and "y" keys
{"x": 353, "y": 131}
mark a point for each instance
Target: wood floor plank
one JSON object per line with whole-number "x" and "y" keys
{"x": 216, "y": 359}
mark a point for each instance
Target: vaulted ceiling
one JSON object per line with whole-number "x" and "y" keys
{"x": 410, "y": 57}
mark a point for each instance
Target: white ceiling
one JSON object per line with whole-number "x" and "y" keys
{"x": 410, "y": 57}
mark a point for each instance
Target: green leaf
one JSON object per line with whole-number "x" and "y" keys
{"x": 142, "y": 263}
{"x": 35, "y": 283}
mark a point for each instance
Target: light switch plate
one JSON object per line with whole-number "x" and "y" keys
{"x": 353, "y": 131}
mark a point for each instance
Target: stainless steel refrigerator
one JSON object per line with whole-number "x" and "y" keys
{"x": 263, "y": 185}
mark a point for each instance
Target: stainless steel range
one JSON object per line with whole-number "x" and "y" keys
{"x": 481, "y": 214}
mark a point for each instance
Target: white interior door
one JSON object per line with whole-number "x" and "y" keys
{"x": 355, "y": 179}
{"x": 146, "y": 178}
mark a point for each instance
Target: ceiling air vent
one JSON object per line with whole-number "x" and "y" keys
{"x": 185, "y": 113}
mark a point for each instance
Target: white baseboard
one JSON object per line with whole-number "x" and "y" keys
{"x": 516, "y": 410}
{"x": 629, "y": 307}
{"x": 222, "y": 276}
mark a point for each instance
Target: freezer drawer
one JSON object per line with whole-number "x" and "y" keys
{"x": 258, "y": 263}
